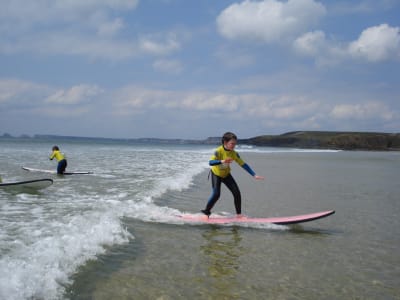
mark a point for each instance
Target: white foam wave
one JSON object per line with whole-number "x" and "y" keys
{"x": 44, "y": 238}
{"x": 47, "y": 252}
{"x": 166, "y": 215}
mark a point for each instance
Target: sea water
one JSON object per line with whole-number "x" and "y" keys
{"x": 115, "y": 234}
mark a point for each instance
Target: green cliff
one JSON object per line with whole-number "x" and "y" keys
{"x": 330, "y": 140}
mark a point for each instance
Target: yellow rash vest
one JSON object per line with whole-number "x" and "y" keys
{"x": 223, "y": 169}
{"x": 57, "y": 155}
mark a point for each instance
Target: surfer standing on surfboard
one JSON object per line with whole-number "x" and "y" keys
{"x": 60, "y": 157}
{"x": 220, "y": 172}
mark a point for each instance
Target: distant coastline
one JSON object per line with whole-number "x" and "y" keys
{"x": 371, "y": 141}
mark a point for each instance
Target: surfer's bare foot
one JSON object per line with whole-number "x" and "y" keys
{"x": 239, "y": 216}
{"x": 206, "y": 212}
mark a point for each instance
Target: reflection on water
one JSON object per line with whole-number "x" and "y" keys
{"x": 300, "y": 229}
{"x": 222, "y": 251}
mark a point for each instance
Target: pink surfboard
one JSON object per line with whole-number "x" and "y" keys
{"x": 197, "y": 218}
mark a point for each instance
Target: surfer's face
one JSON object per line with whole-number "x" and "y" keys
{"x": 230, "y": 145}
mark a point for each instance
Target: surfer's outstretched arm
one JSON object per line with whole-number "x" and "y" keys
{"x": 251, "y": 172}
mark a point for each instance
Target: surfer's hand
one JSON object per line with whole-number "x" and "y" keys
{"x": 258, "y": 177}
{"x": 227, "y": 160}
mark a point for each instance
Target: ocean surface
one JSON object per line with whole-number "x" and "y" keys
{"x": 115, "y": 234}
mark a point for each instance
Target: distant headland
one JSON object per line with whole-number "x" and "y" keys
{"x": 337, "y": 140}
{"x": 331, "y": 140}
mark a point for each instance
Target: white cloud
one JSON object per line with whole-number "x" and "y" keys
{"x": 210, "y": 102}
{"x": 310, "y": 43}
{"x": 284, "y": 107}
{"x": 317, "y": 46}
{"x": 90, "y": 28}
{"x": 11, "y": 89}
{"x": 377, "y": 43}
{"x": 74, "y": 95}
{"x": 21, "y": 93}
{"x": 102, "y": 46}
{"x": 25, "y": 98}
{"x": 362, "y": 111}
{"x": 132, "y": 100}
{"x": 110, "y": 28}
{"x": 160, "y": 44}
{"x": 272, "y": 21}
{"x": 266, "y": 110}
{"x": 285, "y": 111}
{"x": 268, "y": 20}
{"x": 32, "y": 13}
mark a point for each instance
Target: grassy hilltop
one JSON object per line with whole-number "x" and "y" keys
{"x": 329, "y": 140}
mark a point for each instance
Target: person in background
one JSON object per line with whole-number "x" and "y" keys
{"x": 220, "y": 172}
{"x": 60, "y": 157}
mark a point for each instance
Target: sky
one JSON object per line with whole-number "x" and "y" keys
{"x": 195, "y": 69}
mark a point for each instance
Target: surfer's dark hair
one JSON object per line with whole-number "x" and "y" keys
{"x": 228, "y": 136}
{"x": 56, "y": 148}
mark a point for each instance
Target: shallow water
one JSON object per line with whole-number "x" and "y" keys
{"x": 114, "y": 234}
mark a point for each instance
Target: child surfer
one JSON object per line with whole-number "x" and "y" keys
{"x": 60, "y": 157}
{"x": 220, "y": 172}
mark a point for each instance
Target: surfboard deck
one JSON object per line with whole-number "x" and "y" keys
{"x": 55, "y": 172}
{"x": 36, "y": 184}
{"x": 198, "y": 218}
